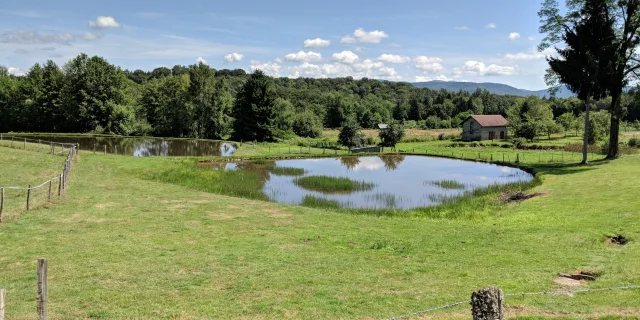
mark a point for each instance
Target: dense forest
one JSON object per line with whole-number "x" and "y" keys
{"x": 90, "y": 95}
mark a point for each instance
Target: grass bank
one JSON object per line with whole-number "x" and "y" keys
{"x": 124, "y": 246}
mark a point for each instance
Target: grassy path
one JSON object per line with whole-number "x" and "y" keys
{"x": 123, "y": 247}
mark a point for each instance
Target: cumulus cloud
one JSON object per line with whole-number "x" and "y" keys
{"x": 201, "y": 60}
{"x": 303, "y": 56}
{"x": 103, "y": 22}
{"x": 394, "y": 58}
{"x": 428, "y": 64}
{"x": 233, "y": 57}
{"x": 514, "y": 36}
{"x": 461, "y": 28}
{"x": 490, "y": 26}
{"x": 480, "y": 69}
{"x": 16, "y": 71}
{"x": 269, "y": 68}
{"x": 346, "y": 57}
{"x": 316, "y": 43}
{"x": 531, "y": 55}
{"x": 34, "y": 37}
{"x": 427, "y": 79}
{"x": 362, "y": 36}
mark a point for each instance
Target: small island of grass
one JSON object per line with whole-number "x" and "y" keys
{"x": 448, "y": 184}
{"x": 287, "y": 171}
{"x": 332, "y": 184}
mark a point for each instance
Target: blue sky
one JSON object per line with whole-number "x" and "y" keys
{"x": 462, "y": 40}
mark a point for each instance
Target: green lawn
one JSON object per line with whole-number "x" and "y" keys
{"x": 121, "y": 245}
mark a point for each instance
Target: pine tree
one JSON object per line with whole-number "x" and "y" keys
{"x": 254, "y": 110}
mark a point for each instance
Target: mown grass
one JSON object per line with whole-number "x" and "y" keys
{"x": 122, "y": 246}
{"x": 448, "y": 184}
{"x": 330, "y": 184}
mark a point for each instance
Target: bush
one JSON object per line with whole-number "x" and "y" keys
{"x": 518, "y": 143}
{"x": 307, "y": 124}
{"x": 391, "y": 135}
{"x": 350, "y": 135}
{"x": 634, "y": 142}
{"x": 526, "y": 131}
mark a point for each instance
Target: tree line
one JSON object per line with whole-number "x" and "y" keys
{"x": 90, "y": 95}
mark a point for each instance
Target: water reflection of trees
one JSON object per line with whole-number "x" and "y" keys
{"x": 145, "y": 147}
{"x": 350, "y": 162}
{"x": 392, "y": 162}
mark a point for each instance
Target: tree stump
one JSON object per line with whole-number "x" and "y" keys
{"x": 487, "y": 304}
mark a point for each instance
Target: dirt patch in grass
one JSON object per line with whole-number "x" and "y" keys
{"x": 519, "y": 196}
{"x": 581, "y": 275}
{"x": 566, "y": 282}
{"x": 619, "y": 239}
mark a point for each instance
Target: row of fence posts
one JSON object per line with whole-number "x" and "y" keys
{"x": 52, "y": 145}
{"x": 42, "y": 291}
{"x": 63, "y": 179}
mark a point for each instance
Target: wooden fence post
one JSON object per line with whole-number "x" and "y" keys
{"x": 1, "y": 202}
{"x": 105, "y": 149}
{"x": 60, "y": 185}
{"x": 50, "y": 188}
{"x": 42, "y": 289}
{"x": 25, "y": 144}
{"x": 28, "y": 196}
{"x": 487, "y": 304}
{"x": 3, "y": 293}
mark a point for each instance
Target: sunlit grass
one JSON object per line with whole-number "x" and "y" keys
{"x": 315, "y": 202}
{"x": 287, "y": 171}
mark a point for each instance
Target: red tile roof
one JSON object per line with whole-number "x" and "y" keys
{"x": 490, "y": 120}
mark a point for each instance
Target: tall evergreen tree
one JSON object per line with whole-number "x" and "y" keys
{"x": 584, "y": 64}
{"x": 254, "y": 109}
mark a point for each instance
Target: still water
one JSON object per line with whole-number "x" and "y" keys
{"x": 147, "y": 146}
{"x": 401, "y": 182}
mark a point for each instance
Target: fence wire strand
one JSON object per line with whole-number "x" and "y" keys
{"x": 555, "y": 292}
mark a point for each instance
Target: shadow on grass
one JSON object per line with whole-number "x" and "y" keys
{"x": 566, "y": 168}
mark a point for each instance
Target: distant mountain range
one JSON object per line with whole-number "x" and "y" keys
{"x": 496, "y": 88}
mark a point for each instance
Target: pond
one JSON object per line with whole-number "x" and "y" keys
{"x": 147, "y": 146}
{"x": 376, "y": 182}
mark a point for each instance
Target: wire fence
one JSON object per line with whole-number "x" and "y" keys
{"x": 16, "y": 197}
{"x": 523, "y": 294}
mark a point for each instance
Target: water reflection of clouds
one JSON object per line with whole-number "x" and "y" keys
{"x": 369, "y": 163}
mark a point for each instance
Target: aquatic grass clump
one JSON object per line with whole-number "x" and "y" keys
{"x": 288, "y": 171}
{"x": 448, "y": 184}
{"x": 330, "y": 184}
{"x": 315, "y": 202}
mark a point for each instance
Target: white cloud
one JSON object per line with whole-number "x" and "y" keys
{"x": 490, "y": 26}
{"x": 514, "y": 36}
{"x": 480, "y": 69}
{"x": 316, "y": 43}
{"x": 33, "y": 37}
{"x": 16, "y": 71}
{"x": 531, "y": 55}
{"x": 442, "y": 78}
{"x": 427, "y": 79}
{"x": 269, "y": 68}
{"x": 367, "y": 66}
{"x": 303, "y": 56}
{"x": 346, "y": 57}
{"x": 428, "y": 64}
{"x": 359, "y": 49}
{"x": 201, "y": 60}
{"x": 394, "y": 58}
{"x": 461, "y": 28}
{"x": 233, "y": 57}
{"x": 362, "y": 36}
{"x": 103, "y": 22}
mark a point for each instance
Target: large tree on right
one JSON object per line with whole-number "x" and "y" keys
{"x": 614, "y": 42}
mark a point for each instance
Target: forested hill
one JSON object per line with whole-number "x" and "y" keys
{"x": 495, "y": 88}
{"x": 89, "y": 94}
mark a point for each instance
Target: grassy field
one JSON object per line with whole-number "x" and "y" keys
{"x": 139, "y": 238}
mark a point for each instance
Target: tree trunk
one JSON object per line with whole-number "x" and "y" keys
{"x": 585, "y": 147}
{"x": 614, "y": 133}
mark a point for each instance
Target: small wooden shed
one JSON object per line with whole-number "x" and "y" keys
{"x": 485, "y": 127}
{"x": 382, "y": 126}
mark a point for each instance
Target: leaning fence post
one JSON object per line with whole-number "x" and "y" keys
{"x": 3, "y": 293}
{"x": 1, "y": 202}
{"x": 42, "y": 289}
{"x": 28, "y": 196}
{"x": 487, "y": 304}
